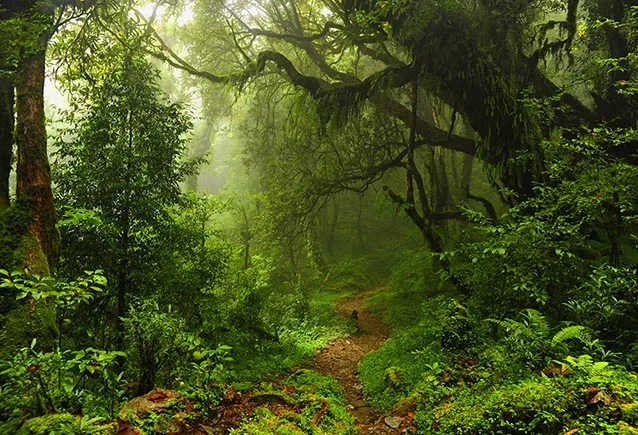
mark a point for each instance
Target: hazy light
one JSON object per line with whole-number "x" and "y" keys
{"x": 185, "y": 17}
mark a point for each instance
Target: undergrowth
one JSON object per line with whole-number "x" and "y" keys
{"x": 305, "y": 403}
{"x": 410, "y": 306}
{"x": 318, "y": 327}
{"x": 465, "y": 375}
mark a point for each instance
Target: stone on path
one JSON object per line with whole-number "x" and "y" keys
{"x": 393, "y": 422}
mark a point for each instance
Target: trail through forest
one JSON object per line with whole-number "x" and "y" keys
{"x": 341, "y": 358}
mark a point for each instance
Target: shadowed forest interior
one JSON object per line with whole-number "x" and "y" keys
{"x": 318, "y": 217}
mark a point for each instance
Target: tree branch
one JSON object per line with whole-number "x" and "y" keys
{"x": 296, "y": 38}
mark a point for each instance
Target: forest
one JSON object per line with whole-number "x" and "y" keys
{"x": 291, "y": 217}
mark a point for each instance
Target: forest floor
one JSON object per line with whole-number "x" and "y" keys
{"x": 340, "y": 360}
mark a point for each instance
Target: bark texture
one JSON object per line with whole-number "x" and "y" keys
{"x": 33, "y": 184}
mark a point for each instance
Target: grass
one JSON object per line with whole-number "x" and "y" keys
{"x": 300, "y": 341}
{"x": 410, "y": 307}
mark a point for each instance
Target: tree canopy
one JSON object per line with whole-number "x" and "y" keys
{"x": 455, "y": 178}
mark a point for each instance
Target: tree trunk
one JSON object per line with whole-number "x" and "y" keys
{"x": 333, "y": 227}
{"x": 7, "y": 115}
{"x": 246, "y": 236}
{"x": 123, "y": 280}
{"x": 33, "y": 186}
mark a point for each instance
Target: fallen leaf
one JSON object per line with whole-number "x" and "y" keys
{"x": 157, "y": 396}
{"x": 597, "y": 395}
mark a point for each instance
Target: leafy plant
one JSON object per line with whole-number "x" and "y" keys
{"x": 605, "y": 302}
{"x": 156, "y": 345}
{"x": 36, "y": 382}
{"x": 203, "y": 379}
{"x": 66, "y": 296}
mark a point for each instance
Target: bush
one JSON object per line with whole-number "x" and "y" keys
{"x": 591, "y": 396}
{"x": 606, "y": 302}
{"x": 35, "y": 383}
{"x": 156, "y": 345}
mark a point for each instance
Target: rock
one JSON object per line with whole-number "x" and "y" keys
{"x": 393, "y": 422}
{"x": 157, "y": 401}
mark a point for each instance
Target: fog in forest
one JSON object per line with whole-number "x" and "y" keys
{"x": 318, "y": 217}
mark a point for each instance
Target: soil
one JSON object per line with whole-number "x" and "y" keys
{"x": 341, "y": 358}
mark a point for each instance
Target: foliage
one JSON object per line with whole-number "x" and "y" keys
{"x": 20, "y": 33}
{"x": 36, "y": 382}
{"x": 605, "y": 302}
{"x": 542, "y": 92}
{"x": 66, "y": 296}
{"x": 121, "y": 165}
{"x": 410, "y": 307}
{"x": 298, "y": 338}
{"x": 156, "y": 345}
{"x": 457, "y": 329}
{"x": 203, "y": 379}
{"x": 65, "y": 424}
{"x": 316, "y": 403}
{"x": 594, "y": 399}
{"x": 577, "y": 221}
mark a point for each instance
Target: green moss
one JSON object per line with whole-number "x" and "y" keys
{"x": 64, "y": 424}
{"x": 47, "y": 424}
{"x": 537, "y": 405}
{"x": 32, "y": 256}
{"x": 313, "y": 404}
{"x": 14, "y": 224}
{"x": 24, "y": 323}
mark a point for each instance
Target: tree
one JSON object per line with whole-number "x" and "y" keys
{"x": 6, "y": 138}
{"x": 123, "y": 164}
{"x": 33, "y": 187}
{"x": 484, "y": 60}
{"x": 28, "y": 27}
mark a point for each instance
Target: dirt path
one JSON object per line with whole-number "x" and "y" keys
{"x": 341, "y": 357}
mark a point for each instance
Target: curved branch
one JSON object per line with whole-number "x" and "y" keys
{"x": 435, "y": 136}
{"x": 292, "y": 37}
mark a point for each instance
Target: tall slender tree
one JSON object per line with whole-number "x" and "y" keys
{"x": 125, "y": 163}
{"x": 7, "y": 101}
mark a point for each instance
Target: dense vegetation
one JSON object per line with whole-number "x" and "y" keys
{"x": 209, "y": 179}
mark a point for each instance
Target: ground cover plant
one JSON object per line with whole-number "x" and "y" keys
{"x": 293, "y": 216}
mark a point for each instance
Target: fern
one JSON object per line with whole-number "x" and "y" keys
{"x": 569, "y": 333}
{"x": 535, "y": 321}
{"x": 531, "y": 324}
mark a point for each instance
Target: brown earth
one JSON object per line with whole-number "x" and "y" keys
{"x": 341, "y": 358}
